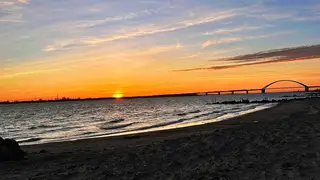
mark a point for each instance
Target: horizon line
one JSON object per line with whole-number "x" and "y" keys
{"x": 148, "y": 96}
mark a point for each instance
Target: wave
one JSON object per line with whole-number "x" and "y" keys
{"x": 116, "y": 120}
{"x": 190, "y": 112}
{"x": 29, "y": 140}
{"x": 235, "y": 108}
{"x": 110, "y": 120}
{"x": 87, "y": 133}
{"x": 14, "y": 130}
{"x": 222, "y": 116}
{"x": 160, "y": 125}
{"x": 42, "y": 126}
{"x": 179, "y": 120}
{"x": 205, "y": 114}
{"x": 116, "y": 126}
{"x": 59, "y": 118}
{"x": 240, "y": 109}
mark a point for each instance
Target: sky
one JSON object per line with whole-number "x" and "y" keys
{"x": 94, "y": 48}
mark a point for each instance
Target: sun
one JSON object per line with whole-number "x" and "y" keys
{"x": 117, "y": 95}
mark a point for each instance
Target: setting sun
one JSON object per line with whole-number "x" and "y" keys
{"x": 117, "y": 95}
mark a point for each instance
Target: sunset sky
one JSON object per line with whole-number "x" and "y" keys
{"x": 94, "y": 48}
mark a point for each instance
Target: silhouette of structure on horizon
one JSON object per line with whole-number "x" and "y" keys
{"x": 262, "y": 90}
{"x": 306, "y": 88}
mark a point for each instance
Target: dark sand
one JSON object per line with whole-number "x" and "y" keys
{"x": 278, "y": 143}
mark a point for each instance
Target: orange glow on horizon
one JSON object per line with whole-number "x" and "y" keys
{"x": 149, "y": 80}
{"x": 118, "y": 95}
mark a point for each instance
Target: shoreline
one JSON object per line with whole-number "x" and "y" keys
{"x": 225, "y": 117}
{"x": 138, "y": 133}
{"x": 282, "y": 142}
{"x": 205, "y": 128}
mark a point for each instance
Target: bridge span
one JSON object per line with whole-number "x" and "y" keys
{"x": 262, "y": 90}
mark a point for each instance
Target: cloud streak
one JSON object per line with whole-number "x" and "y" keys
{"x": 155, "y": 50}
{"x": 11, "y": 20}
{"x": 25, "y": 73}
{"x": 232, "y": 30}
{"x": 10, "y": 11}
{"x": 12, "y": 2}
{"x": 270, "y": 15}
{"x": 236, "y": 39}
{"x": 23, "y": 1}
{"x": 128, "y": 16}
{"x": 308, "y": 18}
{"x": 269, "y": 57}
{"x": 220, "y": 41}
{"x": 302, "y": 52}
{"x": 90, "y": 41}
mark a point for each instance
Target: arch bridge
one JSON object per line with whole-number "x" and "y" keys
{"x": 262, "y": 90}
{"x": 306, "y": 88}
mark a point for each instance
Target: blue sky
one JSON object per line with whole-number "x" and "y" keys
{"x": 40, "y": 36}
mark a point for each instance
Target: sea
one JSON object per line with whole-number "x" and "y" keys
{"x": 37, "y": 123}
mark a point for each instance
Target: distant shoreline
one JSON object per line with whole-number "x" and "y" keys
{"x": 65, "y": 99}
{"x": 100, "y": 98}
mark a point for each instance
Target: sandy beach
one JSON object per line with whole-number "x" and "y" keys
{"x": 278, "y": 143}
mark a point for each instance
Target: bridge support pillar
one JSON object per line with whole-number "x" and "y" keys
{"x": 247, "y": 91}
{"x": 306, "y": 89}
{"x": 219, "y": 92}
{"x": 232, "y": 92}
{"x": 263, "y": 91}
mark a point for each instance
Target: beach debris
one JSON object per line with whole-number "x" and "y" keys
{"x": 10, "y": 150}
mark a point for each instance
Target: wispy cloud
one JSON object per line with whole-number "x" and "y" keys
{"x": 235, "y": 65}
{"x": 25, "y": 73}
{"x": 220, "y": 41}
{"x": 191, "y": 56}
{"x": 10, "y": 11}
{"x": 122, "y": 54}
{"x": 270, "y": 35}
{"x": 268, "y": 57}
{"x": 271, "y": 15}
{"x": 125, "y": 17}
{"x": 210, "y": 18}
{"x": 12, "y": 2}
{"x": 64, "y": 45}
{"x": 154, "y": 50}
{"x": 211, "y": 53}
{"x": 86, "y": 41}
{"x": 307, "y": 18}
{"x": 23, "y": 1}
{"x": 232, "y": 30}
{"x": 6, "y": 3}
{"x": 12, "y": 17}
{"x": 242, "y": 65}
{"x": 236, "y": 39}
{"x": 303, "y": 52}
{"x": 11, "y": 20}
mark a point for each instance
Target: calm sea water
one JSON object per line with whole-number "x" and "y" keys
{"x": 61, "y": 121}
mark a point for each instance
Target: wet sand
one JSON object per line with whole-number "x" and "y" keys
{"x": 278, "y": 143}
